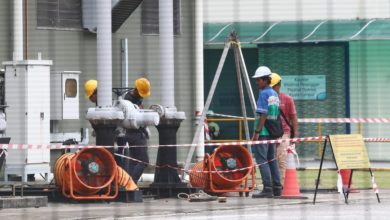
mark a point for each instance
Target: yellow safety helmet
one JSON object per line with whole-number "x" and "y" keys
{"x": 90, "y": 87}
{"x": 143, "y": 87}
{"x": 275, "y": 79}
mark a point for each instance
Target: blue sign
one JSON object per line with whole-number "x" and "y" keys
{"x": 305, "y": 87}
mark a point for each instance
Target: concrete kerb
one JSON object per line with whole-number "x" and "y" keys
{"x": 23, "y": 202}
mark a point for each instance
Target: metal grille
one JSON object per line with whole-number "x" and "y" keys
{"x": 150, "y": 21}
{"x": 121, "y": 12}
{"x": 59, "y": 13}
{"x": 313, "y": 59}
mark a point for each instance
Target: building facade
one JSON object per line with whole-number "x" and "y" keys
{"x": 62, "y": 31}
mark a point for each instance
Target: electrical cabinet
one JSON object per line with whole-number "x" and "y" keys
{"x": 27, "y": 93}
{"x": 64, "y": 95}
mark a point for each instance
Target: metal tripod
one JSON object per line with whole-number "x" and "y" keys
{"x": 242, "y": 73}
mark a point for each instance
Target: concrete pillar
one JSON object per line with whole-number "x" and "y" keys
{"x": 104, "y": 53}
{"x": 18, "y": 30}
{"x": 167, "y": 65}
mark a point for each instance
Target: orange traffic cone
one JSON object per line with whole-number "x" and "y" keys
{"x": 345, "y": 174}
{"x": 291, "y": 187}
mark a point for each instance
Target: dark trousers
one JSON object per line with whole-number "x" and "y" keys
{"x": 268, "y": 166}
{"x": 140, "y": 153}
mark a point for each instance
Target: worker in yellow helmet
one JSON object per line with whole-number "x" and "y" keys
{"x": 90, "y": 88}
{"x": 288, "y": 115}
{"x": 133, "y": 137}
{"x": 141, "y": 91}
{"x": 135, "y": 95}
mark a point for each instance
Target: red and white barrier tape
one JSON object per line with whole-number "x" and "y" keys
{"x": 59, "y": 147}
{"x": 344, "y": 120}
{"x": 227, "y": 116}
{"x": 321, "y": 120}
{"x": 291, "y": 148}
{"x": 376, "y": 139}
{"x": 206, "y": 130}
{"x": 205, "y": 126}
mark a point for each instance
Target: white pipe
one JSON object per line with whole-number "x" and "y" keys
{"x": 199, "y": 95}
{"x": 167, "y": 68}
{"x": 104, "y": 53}
{"x": 18, "y": 30}
{"x": 125, "y": 63}
{"x": 85, "y": 135}
{"x": 149, "y": 177}
{"x": 3, "y": 122}
{"x": 146, "y": 177}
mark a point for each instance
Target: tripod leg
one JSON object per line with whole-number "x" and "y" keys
{"x": 195, "y": 140}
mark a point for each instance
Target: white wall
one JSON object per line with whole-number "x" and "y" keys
{"x": 276, "y": 10}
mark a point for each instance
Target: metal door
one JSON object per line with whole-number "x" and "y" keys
{"x": 70, "y": 93}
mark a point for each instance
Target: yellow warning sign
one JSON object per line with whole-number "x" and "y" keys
{"x": 349, "y": 151}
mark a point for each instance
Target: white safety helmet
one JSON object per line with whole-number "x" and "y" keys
{"x": 262, "y": 71}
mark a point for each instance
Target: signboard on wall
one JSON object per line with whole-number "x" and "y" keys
{"x": 305, "y": 87}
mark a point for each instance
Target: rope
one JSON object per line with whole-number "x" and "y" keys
{"x": 238, "y": 44}
{"x": 196, "y": 171}
{"x": 199, "y": 196}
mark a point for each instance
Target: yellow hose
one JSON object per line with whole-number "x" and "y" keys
{"x": 199, "y": 178}
{"x": 125, "y": 180}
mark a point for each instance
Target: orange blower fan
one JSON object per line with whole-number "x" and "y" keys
{"x": 90, "y": 174}
{"x": 226, "y": 170}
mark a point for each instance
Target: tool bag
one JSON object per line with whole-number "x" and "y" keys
{"x": 274, "y": 127}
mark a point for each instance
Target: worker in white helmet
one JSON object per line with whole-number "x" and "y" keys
{"x": 267, "y": 109}
{"x": 133, "y": 137}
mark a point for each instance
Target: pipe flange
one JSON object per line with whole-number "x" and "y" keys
{"x": 159, "y": 109}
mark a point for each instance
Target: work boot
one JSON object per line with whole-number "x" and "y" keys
{"x": 277, "y": 190}
{"x": 266, "y": 193}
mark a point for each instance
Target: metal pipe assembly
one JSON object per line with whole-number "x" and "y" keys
{"x": 134, "y": 117}
{"x": 167, "y": 178}
{"x": 107, "y": 117}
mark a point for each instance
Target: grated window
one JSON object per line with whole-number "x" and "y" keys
{"x": 150, "y": 20}
{"x": 63, "y": 14}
